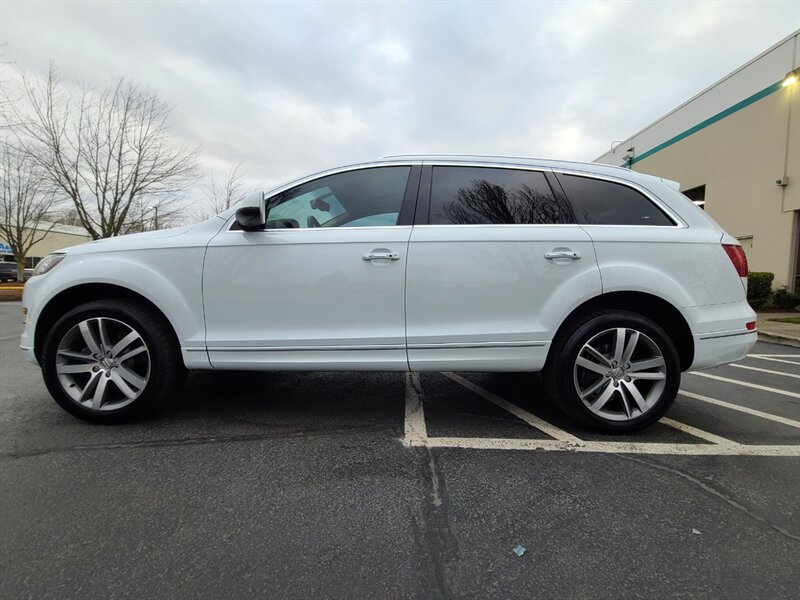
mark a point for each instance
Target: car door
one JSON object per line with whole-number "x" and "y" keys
{"x": 322, "y": 286}
{"x": 494, "y": 269}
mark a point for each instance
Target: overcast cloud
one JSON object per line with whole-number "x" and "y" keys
{"x": 289, "y": 88}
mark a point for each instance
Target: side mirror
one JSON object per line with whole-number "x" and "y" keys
{"x": 250, "y": 218}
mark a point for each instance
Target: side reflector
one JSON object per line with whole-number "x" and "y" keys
{"x": 751, "y": 325}
{"x": 736, "y": 253}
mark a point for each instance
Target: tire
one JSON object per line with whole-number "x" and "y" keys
{"x": 111, "y": 361}
{"x": 605, "y": 388}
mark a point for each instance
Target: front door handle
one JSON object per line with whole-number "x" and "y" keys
{"x": 562, "y": 254}
{"x": 381, "y": 256}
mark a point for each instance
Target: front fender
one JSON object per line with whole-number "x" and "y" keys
{"x": 171, "y": 280}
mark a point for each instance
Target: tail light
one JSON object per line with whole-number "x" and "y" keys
{"x": 736, "y": 253}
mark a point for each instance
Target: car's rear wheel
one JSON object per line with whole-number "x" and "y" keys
{"x": 614, "y": 370}
{"x": 111, "y": 361}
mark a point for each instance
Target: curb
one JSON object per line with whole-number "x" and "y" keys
{"x": 777, "y": 338}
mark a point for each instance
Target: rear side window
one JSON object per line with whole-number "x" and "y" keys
{"x": 480, "y": 195}
{"x": 600, "y": 202}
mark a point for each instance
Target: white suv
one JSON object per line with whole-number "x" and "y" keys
{"x": 609, "y": 281}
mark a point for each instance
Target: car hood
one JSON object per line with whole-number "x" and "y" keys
{"x": 151, "y": 239}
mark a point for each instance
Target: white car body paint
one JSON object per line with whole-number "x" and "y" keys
{"x": 457, "y": 297}
{"x": 470, "y": 290}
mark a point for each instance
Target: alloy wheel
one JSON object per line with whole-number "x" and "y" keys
{"x": 103, "y": 364}
{"x": 620, "y": 374}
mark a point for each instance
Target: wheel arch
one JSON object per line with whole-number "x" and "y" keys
{"x": 74, "y": 296}
{"x": 657, "y": 309}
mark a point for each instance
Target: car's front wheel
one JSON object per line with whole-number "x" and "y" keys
{"x": 617, "y": 371}
{"x": 110, "y": 361}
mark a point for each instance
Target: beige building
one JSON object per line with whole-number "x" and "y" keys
{"x": 60, "y": 236}
{"x": 735, "y": 149}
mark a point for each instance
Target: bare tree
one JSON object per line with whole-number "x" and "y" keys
{"x": 68, "y": 216}
{"x": 230, "y": 192}
{"x": 110, "y": 152}
{"x": 25, "y": 203}
{"x": 221, "y": 196}
{"x": 486, "y": 202}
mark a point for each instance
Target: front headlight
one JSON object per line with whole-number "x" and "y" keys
{"x": 48, "y": 263}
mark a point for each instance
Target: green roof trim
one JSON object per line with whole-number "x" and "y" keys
{"x": 710, "y": 121}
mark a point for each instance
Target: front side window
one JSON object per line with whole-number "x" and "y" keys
{"x": 362, "y": 198}
{"x": 601, "y": 202}
{"x": 481, "y": 195}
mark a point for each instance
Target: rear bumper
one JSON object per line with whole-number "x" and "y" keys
{"x": 712, "y": 350}
{"x": 720, "y": 333}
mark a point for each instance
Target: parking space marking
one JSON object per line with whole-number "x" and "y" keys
{"x": 756, "y": 386}
{"x": 770, "y": 371}
{"x": 416, "y": 433}
{"x": 614, "y": 447}
{"x": 524, "y": 415}
{"x": 743, "y": 409}
{"x": 773, "y": 359}
{"x": 698, "y": 433}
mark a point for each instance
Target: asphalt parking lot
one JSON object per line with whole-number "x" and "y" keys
{"x": 389, "y": 485}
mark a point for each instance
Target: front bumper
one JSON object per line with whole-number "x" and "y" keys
{"x": 30, "y": 312}
{"x": 29, "y": 355}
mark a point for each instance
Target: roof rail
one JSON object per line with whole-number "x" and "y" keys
{"x": 505, "y": 156}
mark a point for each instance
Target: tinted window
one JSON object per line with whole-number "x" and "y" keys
{"x": 599, "y": 202}
{"x": 363, "y": 198}
{"x": 476, "y": 195}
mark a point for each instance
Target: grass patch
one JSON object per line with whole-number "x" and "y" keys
{"x": 794, "y": 320}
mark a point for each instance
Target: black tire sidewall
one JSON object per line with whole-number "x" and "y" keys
{"x": 565, "y": 363}
{"x": 151, "y": 330}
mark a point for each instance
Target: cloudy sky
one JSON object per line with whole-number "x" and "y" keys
{"x": 289, "y": 88}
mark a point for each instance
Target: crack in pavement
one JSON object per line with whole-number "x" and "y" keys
{"x": 710, "y": 490}
{"x": 438, "y": 536}
{"x": 199, "y": 441}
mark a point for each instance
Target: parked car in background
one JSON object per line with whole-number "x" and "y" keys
{"x": 608, "y": 281}
{"x": 8, "y": 271}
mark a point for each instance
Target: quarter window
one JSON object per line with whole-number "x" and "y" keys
{"x": 481, "y": 195}
{"x": 600, "y": 202}
{"x": 362, "y": 198}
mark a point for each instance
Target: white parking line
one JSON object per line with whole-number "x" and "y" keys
{"x": 614, "y": 447}
{"x": 770, "y": 371}
{"x": 698, "y": 433}
{"x": 773, "y": 359}
{"x": 416, "y": 433}
{"x": 743, "y": 409}
{"x": 747, "y": 384}
{"x": 530, "y": 419}
{"x": 771, "y": 355}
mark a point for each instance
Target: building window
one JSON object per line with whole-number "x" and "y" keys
{"x": 747, "y": 245}
{"x": 697, "y": 195}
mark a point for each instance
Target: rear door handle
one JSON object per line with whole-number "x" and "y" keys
{"x": 562, "y": 254}
{"x": 381, "y": 256}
